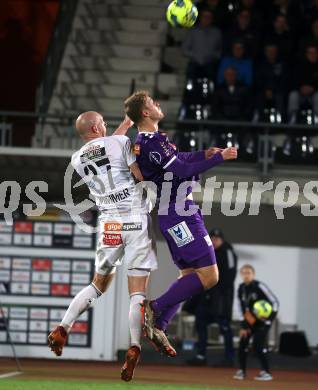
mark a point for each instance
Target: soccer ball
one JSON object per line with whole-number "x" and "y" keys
{"x": 262, "y": 309}
{"x": 182, "y": 13}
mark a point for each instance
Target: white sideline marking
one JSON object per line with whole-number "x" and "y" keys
{"x": 9, "y": 374}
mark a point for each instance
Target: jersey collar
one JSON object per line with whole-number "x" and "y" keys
{"x": 148, "y": 132}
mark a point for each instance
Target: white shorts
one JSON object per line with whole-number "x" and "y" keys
{"x": 128, "y": 239}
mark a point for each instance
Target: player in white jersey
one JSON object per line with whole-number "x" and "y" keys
{"x": 108, "y": 166}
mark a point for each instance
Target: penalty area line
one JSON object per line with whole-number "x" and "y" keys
{"x": 10, "y": 374}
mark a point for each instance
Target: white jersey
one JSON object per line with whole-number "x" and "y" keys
{"x": 103, "y": 164}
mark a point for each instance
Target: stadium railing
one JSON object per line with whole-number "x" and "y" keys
{"x": 271, "y": 143}
{"x": 261, "y": 143}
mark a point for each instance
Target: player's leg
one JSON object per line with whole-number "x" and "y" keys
{"x": 80, "y": 303}
{"x": 137, "y": 286}
{"x": 85, "y": 298}
{"x": 107, "y": 254}
{"x": 192, "y": 282}
{"x": 140, "y": 257}
{"x": 260, "y": 346}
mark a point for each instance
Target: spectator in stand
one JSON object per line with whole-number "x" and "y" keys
{"x": 311, "y": 13}
{"x": 257, "y": 18}
{"x": 312, "y": 39}
{"x": 232, "y": 99}
{"x": 271, "y": 80}
{"x": 292, "y": 10}
{"x": 203, "y": 45}
{"x": 243, "y": 66}
{"x": 244, "y": 32}
{"x": 218, "y": 7}
{"x": 280, "y": 34}
{"x": 306, "y": 84}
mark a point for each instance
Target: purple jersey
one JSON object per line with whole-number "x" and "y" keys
{"x": 186, "y": 236}
{"x": 156, "y": 154}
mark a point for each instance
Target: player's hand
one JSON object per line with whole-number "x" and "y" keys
{"x": 211, "y": 152}
{"x": 244, "y": 333}
{"x": 128, "y": 122}
{"x": 229, "y": 153}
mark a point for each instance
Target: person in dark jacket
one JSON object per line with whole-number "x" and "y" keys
{"x": 305, "y": 84}
{"x": 271, "y": 80}
{"x": 232, "y": 100}
{"x": 249, "y": 292}
{"x": 203, "y": 46}
{"x": 215, "y": 305}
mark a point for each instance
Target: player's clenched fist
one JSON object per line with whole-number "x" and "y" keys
{"x": 229, "y": 154}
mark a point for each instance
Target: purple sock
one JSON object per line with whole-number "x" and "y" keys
{"x": 162, "y": 322}
{"x": 181, "y": 289}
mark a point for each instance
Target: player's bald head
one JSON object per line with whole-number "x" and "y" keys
{"x": 90, "y": 124}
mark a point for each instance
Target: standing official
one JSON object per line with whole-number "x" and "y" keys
{"x": 215, "y": 305}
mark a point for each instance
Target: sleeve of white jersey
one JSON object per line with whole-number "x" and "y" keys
{"x": 129, "y": 155}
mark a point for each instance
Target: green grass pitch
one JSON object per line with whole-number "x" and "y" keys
{"x": 13, "y": 384}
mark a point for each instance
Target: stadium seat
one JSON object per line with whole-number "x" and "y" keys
{"x": 198, "y": 91}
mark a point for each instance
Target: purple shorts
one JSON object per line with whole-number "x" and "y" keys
{"x": 188, "y": 240}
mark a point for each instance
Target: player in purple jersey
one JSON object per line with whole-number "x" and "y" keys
{"x": 186, "y": 235}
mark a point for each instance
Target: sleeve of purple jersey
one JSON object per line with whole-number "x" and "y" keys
{"x": 185, "y": 169}
{"x": 192, "y": 156}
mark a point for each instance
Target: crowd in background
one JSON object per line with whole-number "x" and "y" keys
{"x": 257, "y": 54}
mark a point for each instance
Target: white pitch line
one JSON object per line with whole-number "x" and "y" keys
{"x": 10, "y": 374}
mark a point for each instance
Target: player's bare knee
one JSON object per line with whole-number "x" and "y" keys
{"x": 210, "y": 281}
{"x": 101, "y": 282}
{"x": 209, "y": 277}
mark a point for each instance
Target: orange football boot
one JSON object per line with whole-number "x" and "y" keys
{"x": 57, "y": 339}
{"x": 131, "y": 361}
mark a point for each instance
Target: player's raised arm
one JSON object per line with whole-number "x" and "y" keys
{"x": 185, "y": 169}
{"x": 122, "y": 129}
{"x": 198, "y": 155}
{"x": 134, "y": 168}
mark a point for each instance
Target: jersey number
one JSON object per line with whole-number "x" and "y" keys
{"x": 90, "y": 169}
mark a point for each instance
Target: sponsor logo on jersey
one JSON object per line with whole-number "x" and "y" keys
{"x": 92, "y": 153}
{"x": 125, "y": 227}
{"x": 181, "y": 234}
{"x": 111, "y": 239}
{"x": 155, "y": 157}
{"x": 130, "y": 226}
{"x": 112, "y": 227}
{"x": 167, "y": 148}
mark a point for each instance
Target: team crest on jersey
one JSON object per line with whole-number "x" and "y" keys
{"x": 181, "y": 234}
{"x": 155, "y": 157}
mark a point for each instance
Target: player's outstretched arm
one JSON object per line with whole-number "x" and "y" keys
{"x": 135, "y": 170}
{"x": 185, "y": 169}
{"x": 122, "y": 129}
{"x": 198, "y": 155}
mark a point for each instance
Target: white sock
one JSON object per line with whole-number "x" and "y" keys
{"x": 135, "y": 318}
{"x": 81, "y": 302}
